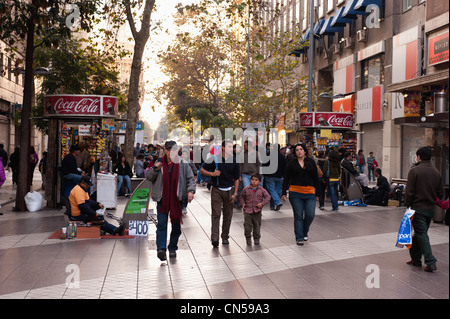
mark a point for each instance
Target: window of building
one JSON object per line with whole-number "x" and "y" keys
{"x": 406, "y": 4}
{"x": 321, "y": 11}
{"x": 330, "y": 5}
{"x": 372, "y": 71}
{"x": 305, "y": 14}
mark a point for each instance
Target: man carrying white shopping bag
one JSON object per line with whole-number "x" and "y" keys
{"x": 423, "y": 187}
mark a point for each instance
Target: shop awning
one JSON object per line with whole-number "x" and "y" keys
{"x": 363, "y": 4}
{"x": 417, "y": 84}
{"x": 328, "y": 29}
{"x": 349, "y": 10}
{"x": 438, "y": 120}
{"x": 339, "y": 20}
{"x": 317, "y": 28}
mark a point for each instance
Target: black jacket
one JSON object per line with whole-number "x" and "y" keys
{"x": 69, "y": 165}
{"x": 120, "y": 170}
{"x": 296, "y": 175}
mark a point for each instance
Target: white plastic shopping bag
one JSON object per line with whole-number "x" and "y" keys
{"x": 33, "y": 200}
{"x": 405, "y": 233}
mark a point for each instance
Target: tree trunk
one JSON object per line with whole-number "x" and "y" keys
{"x": 23, "y": 181}
{"x": 140, "y": 40}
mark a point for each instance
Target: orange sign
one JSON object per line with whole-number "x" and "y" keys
{"x": 438, "y": 49}
{"x": 345, "y": 104}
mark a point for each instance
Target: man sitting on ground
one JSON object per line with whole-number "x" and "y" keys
{"x": 84, "y": 209}
{"x": 379, "y": 195}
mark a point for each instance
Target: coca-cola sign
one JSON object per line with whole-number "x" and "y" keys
{"x": 81, "y": 105}
{"x": 326, "y": 120}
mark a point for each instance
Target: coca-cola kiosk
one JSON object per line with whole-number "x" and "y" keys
{"x": 323, "y": 130}
{"x": 77, "y": 119}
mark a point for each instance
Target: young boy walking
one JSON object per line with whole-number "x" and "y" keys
{"x": 253, "y": 198}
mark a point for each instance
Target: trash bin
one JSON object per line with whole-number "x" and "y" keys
{"x": 107, "y": 190}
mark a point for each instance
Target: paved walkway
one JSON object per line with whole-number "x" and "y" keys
{"x": 350, "y": 254}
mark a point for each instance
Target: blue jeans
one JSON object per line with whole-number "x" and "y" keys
{"x": 361, "y": 168}
{"x": 161, "y": 231}
{"x": 304, "y": 206}
{"x": 273, "y": 186}
{"x": 120, "y": 179}
{"x": 371, "y": 173}
{"x": 332, "y": 190}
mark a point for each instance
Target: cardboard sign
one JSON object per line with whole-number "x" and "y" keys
{"x": 138, "y": 228}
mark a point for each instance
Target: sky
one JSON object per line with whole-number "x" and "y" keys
{"x": 153, "y": 74}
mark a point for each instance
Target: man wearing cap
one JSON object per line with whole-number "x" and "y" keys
{"x": 173, "y": 181}
{"x": 84, "y": 209}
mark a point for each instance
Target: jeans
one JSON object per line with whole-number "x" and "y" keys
{"x": 371, "y": 173}
{"x": 273, "y": 186}
{"x": 161, "y": 231}
{"x": 332, "y": 190}
{"x": 361, "y": 168}
{"x": 304, "y": 206}
{"x": 420, "y": 241}
{"x": 120, "y": 179}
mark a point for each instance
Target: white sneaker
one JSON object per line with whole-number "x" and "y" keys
{"x": 184, "y": 211}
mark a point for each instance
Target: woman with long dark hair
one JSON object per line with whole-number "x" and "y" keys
{"x": 123, "y": 171}
{"x": 301, "y": 179}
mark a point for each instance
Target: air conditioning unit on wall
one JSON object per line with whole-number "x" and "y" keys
{"x": 337, "y": 48}
{"x": 361, "y": 35}
{"x": 348, "y": 42}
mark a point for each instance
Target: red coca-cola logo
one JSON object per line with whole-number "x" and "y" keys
{"x": 85, "y": 105}
{"x": 306, "y": 119}
{"x": 326, "y": 119}
{"x": 342, "y": 121}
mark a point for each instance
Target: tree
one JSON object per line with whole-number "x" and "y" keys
{"x": 77, "y": 69}
{"x": 35, "y": 23}
{"x": 140, "y": 40}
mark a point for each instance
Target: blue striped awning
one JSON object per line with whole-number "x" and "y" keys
{"x": 350, "y": 11}
{"x": 363, "y": 4}
{"x": 328, "y": 29}
{"x": 317, "y": 28}
{"x": 339, "y": 20}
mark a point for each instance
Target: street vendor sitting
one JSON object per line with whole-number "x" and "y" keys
{"x": 84, "y": 209}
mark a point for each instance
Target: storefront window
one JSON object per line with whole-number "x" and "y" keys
{"x": 372, "y": 72}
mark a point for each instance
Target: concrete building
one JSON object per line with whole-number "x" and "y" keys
{"x": 389, "y": 59}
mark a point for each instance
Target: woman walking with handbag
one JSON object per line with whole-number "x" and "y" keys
{"x": 332, "y": 171}
{"x": 301, "y": 179}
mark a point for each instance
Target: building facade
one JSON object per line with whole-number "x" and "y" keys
{"x": 388, "y": 62}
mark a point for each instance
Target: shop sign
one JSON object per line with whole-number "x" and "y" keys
{"x": 84, "y": 130}
{"x": 279, "y": 121}
{"x": 406, "y": 55}
{"x": 81, "y": 105}
{"x": 369, "y": 105}
{"x": 326, "y": 119}
{"x": 372, "y": 50}
{"x": 344, "y": 75}
{"x": 345, "y": 104}
{"x": 438, "y": 49}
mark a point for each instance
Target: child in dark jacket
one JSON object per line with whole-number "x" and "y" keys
{"x": 253, "y": 198}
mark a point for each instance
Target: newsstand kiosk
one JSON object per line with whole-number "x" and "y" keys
{"x": 78, "y": 119}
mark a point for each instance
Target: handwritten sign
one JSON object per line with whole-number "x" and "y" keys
{"x": 138, "y": 228}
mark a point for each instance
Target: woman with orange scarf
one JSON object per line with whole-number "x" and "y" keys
{"x": 301, "y": 179}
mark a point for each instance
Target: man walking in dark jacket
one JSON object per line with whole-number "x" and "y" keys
{"x": 423, "y": 187}
{"x": 274, "y": 181}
